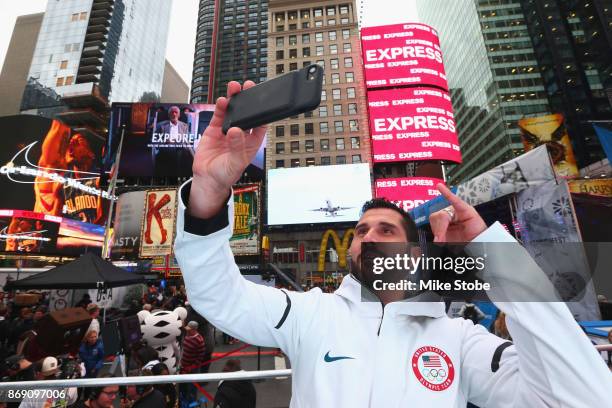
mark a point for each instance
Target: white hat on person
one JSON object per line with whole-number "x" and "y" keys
{"x": 49, "y": 366}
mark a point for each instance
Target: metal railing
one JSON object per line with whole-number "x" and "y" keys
{"x": 149, "y": 379}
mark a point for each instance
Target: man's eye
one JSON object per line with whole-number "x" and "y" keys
{"x": 360, "y": 232}
{"x": 387, "y": 231}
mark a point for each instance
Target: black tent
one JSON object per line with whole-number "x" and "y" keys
{"x": 87, "y": 272}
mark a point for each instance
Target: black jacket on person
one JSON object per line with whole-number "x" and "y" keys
{"x": 236, "y": 394}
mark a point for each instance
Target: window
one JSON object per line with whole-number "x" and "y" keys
{"x": 280, "y": 54}
{"x": 322, "y": 111}
{"x": 293, "y": 53}
{"x": 309, "y": 146}
{"x": 295, "y": 147}
{"x": 292, "y": 15}
{"x": 308, "y": 128}
{"x": 319, "y": 37}
{"x": 280, "y": 131}
{"x": 295, "y": 162}
{"x": 325, "y": 161}
{"x": 339, "y": 143}
{"x": 319, "y": 50}
{"x": 293, "y": 40}
{"x": 59, "y": 81}
{"x": 324, "y": 145}
{"x": 67, "y": 47}
{"x": 332, "y": 35}
{"x": 318, "y": 12}
{"x": 63, "y": 64}
{"x": 349, "y": 77}
{"x": 335, "y": 78}
{"x": 318, "y": 23}
{"x": 337, "y": 110}
{"x": 324, "y": 95}
{"x": 321, "y": 63}
{"x": 74, "y": 17}
{"x": 323, "y": 128}
{"x": 334, "y": 64}
{"x": 331, "y": 22}
{"x": 348, "y": 62}
{"x": 340, "y": 159}
{"x": 346, "y": 34}
{"x": 306, "y": 52}
{"x": 353, "y": 125}
{"x": 69, "y": 80}
{"x": 356, "y": 158}
{"x": 279, "y": 16}
{"x": 338, "y": 126}
{"x": 352, "y": 108}
{"x": 291, "y": 26}
{"x": 350, "y": 93}
{"x": 305, "y": 14}
{"x": 331, "y": 11}
{"x": 346, "y": 47}
{"x": 310, "y": 161}
{"x": 280, "y": 41}
{"x": 83, "y": 16}
{"x": 305, "y": 64}
{"x": 344, "y": 20}
{"x": 333, "y": 48}
{"x": 335, "y": 93}
{"x": 280, "y": 68}
{"x": 355, "y": 143}
{"x": 280, "y": 164}
{"x": 344, "y": 9}
{"x": 280, "y": 148}
{"x": 305, "y": 24}
{"x": 294, "y": 129}
{"x": 308, "y": 115}
{"x": 280, "y": 28}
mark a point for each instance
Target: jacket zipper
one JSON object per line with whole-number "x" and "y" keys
{"x": 381, "y": 303}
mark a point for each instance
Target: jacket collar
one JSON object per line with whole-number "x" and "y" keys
{"x": 427, "y": 304}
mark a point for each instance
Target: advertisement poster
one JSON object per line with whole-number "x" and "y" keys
{"x": 595, "y": 187}
{"x": 408, "y": 192}
{"x": 128, "y": 224}
{"x": 402, "y": 54}
{"x": 159, "y": 139}
{"x": 245, "y": 240}
{"x": 158, "y": 223}
{"x": 412, "y": 124}
{"x": 550, "y": 130}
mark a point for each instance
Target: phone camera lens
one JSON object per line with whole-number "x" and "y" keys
{"x": 312, "y": 70}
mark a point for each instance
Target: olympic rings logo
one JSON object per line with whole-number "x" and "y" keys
{"x": 434, "y": 375}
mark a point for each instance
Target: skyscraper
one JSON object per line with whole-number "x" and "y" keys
{"x": 17, "y": 62}
{"x": 573, "y": 45}
{"x": 493, "y": 77}
{"x": 324, "y": 32}
{"x": 231, "y": 44}
{"x": 113, "y": 49}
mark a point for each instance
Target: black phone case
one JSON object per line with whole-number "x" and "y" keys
{"x": 279, "y": 98}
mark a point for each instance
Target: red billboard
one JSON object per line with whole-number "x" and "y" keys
{"x": 408, "y": 192}
{"x": 410, "y": 124}
{"x": 402, "y": 54}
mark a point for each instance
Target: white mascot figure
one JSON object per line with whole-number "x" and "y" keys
{"x": 161, "y": 330}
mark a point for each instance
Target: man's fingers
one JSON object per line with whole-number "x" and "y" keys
{"x": 248, "y": 84}
{"x": 219, "y": 115}
{"x": 457, "y": 203}
{"x": 439, "y": 223}
{"x": 233, "y": 88}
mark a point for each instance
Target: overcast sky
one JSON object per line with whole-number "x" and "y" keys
{"x": 183, "y": 22}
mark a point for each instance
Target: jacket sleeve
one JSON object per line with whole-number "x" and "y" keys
{"x": 551, "y": 363}
{"x": 256, "y": 314}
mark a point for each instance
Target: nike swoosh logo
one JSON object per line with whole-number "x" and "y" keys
{"x": 329, "y": 359}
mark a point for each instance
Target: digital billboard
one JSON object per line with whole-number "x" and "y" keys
{"x": 50, "y": 183}
{"x": 408, "y": 192}
{"x": 402, "y": 54}
{"x": 318, "y": 194}
{"x": 410, "y": 124}
{"x": 245, "y": 239}
{"x": 129, "y": 211}
{"x": 159, "y": 139}
{"x": 158, "y": 223}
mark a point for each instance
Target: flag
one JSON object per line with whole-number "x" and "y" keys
{"x": 432, "y": 361}
{"x": 605, "y": 138}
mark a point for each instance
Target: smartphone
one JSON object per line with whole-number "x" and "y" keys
{"x": 279, "y": 98}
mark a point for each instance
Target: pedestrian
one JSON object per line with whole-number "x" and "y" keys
{"x": 85, "y": 300}
{"x": 167, "y": 389}
{"x": 207, "y": 331}
{"x": 92, "y": 354}
{"x": 94, "y": 312}
{"x": 235, "y": 393}
{"x": 52, "y": 397}
{"x": 193, "y": 349}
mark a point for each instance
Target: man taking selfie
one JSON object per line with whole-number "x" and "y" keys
{"x": 347, "y": 352}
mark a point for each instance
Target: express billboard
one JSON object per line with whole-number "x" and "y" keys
{"x": 50, "y": 179}
{"x": 408, "y": 192}
{"x": 412, "y": 124}
{"x": 159, "y": 139}
{"x": 402, "y": 54}
{"x": 318, "y": 194}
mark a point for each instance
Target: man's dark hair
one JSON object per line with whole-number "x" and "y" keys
{"x": 409, "y": 226}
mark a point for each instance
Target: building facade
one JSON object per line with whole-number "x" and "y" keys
{"x": 573, "y": 45}
{"x": 231, "y": 44}
{"x": 17, "y": 63}
{"x": 174, "y": 88}
{"x": 112, "y": 48}
{"x": 493, "y": 77}
{"x": 324, "y": 33}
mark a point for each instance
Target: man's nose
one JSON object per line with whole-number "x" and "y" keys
{"x": 370, "y": 236}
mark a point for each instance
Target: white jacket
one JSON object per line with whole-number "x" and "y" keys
{"x": 348, "y": 353}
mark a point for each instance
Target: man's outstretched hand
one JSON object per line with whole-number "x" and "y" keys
{"x": 221, "y": 159}
{"x": 463, "y": 226}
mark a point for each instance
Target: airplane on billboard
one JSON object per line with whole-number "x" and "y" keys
{"x": 330, "y": 210}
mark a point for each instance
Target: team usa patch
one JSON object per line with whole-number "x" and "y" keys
{"x": 433, "y": 368}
